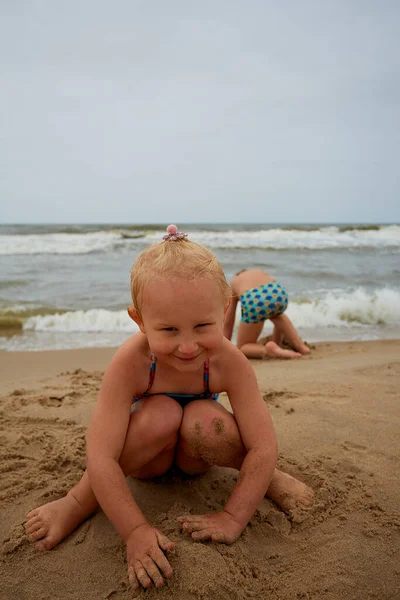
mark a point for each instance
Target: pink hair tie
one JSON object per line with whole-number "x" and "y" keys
{"x": 173, "y": 234}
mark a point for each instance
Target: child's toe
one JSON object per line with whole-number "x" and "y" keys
{"x": 38, "y": 534}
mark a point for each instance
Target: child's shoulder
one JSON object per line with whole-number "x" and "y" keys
{"x": 136, "y": 345}
{"x": 236, "y": 376}
{"x": 132, "y": 358}
{"x": 232, "y": 360}
{"x": 127, "y": 374}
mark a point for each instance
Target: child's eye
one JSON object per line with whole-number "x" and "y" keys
{"x": 203, "y": 324}
{"x": 168, "y": 329}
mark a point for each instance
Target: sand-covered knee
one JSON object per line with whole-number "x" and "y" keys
{"x": 197, "y": 427}
{"x": 218, "y": 425}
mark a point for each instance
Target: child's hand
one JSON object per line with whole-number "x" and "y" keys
{"x": 146, "y": 559}
{"x": 219, "y": 527}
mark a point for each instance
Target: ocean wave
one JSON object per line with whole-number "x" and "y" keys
{"x": 59, "y": 243}
{"x": 12, "y": 283}
{"x": 14, "y": 317}
{"x": 290, "y": 238}
{"x": 325, "y": 238}
{"x": 336, "y": 310}
{"x": 381, "y": 307}
{"x": 269, "y": 238}
{"x": 82, "y": 321}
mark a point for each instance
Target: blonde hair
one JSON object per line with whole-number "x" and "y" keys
{"x": 178, "y": 258}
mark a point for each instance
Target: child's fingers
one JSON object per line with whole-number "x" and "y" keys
{"x": 133, "y": 579}
{"x": 195, "y": 524}
{"x": 219, "y": 536}
{"x": 162, "y": 563}
{"x": 152, "y": 570}
{"x": 204, "y": 534}
{"x": 164, "y": 542}
{"x": 213, "y": 534}
{"x": 187, "y": 518}
{"x": 142, "y": 576}
{"x": 192, "y": 518}
{"x": 204, "y": 527}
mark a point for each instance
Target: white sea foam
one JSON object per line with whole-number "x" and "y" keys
{"x": 387, "y": 236}
{"x": 59, "y": 243}
{"x": 381, "y": 307}
{"x": 93, "y": 320}
{"x": 324, "y": 238}
{"x": 334, "y": 310}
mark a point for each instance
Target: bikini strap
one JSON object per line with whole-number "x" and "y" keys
{"x": 206, "y": 375}
{"x": 152, "y": 372}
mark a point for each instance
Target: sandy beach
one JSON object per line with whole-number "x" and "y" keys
{"x": 337, "y": 418}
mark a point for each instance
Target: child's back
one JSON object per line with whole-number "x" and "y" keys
{"x": 249, "y": 279}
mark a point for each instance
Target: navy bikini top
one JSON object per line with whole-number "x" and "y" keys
{"x": 183, "y": 399}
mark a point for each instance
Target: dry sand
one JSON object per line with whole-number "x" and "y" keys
{"x": 337, "y": 416}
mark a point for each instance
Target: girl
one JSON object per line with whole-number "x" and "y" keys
{"x": 262, "y": 297}
{"x": 158, "y": 405}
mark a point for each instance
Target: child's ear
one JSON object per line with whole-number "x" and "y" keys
{"x": 134, "y": 315}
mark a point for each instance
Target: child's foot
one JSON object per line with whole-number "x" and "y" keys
{"x": 272, "y": 350}
{"x": 47, "y": 525}
{"x": 289, "y": 493}
{"x": 304, "y": 349}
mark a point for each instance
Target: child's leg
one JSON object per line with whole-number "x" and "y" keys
{"x": 274, "y": 349}
{"x": 284, "y": 328}
{"x": 148, "y": 451}
{"x": 47, "y": 525}
{"x": 277, "y": 336}
{"x": 247, "y": 339}
{"x": 209, "y": 435}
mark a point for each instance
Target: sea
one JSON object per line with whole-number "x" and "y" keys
{"x": 67, "y": 286}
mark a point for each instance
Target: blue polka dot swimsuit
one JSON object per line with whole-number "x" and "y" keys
{"x": 263, "y": 302}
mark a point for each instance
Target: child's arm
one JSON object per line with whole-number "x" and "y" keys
{"x": 229, "y": 321}
{"x": 105, "y": 442}
{"x": 258, "y": 437}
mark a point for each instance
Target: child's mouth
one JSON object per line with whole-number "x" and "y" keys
{"x": 187, "y": 358}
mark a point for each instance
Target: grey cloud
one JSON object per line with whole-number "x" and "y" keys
{"x": 216, "y": 111}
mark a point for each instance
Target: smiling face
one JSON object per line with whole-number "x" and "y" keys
{"x": 183, "y": 320}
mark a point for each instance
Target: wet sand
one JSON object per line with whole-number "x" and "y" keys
{"x": 337, "y": 416}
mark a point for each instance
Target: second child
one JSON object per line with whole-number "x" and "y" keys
{"x": 261, "y": 297}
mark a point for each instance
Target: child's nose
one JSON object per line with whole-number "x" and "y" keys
{"x": 188, "y": 346}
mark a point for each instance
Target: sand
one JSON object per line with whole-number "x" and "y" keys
{"x": 337, "y": 416}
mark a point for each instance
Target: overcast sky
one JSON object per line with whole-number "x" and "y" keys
{"x": 212, "y": 111}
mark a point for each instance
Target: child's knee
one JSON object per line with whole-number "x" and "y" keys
{"x": 204, "y": 424}
{"x": 159, "y": 420}
{"x": 196, "y": 417}
{"x": 277, "y": 319}
{"x": 210, "y": 433}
